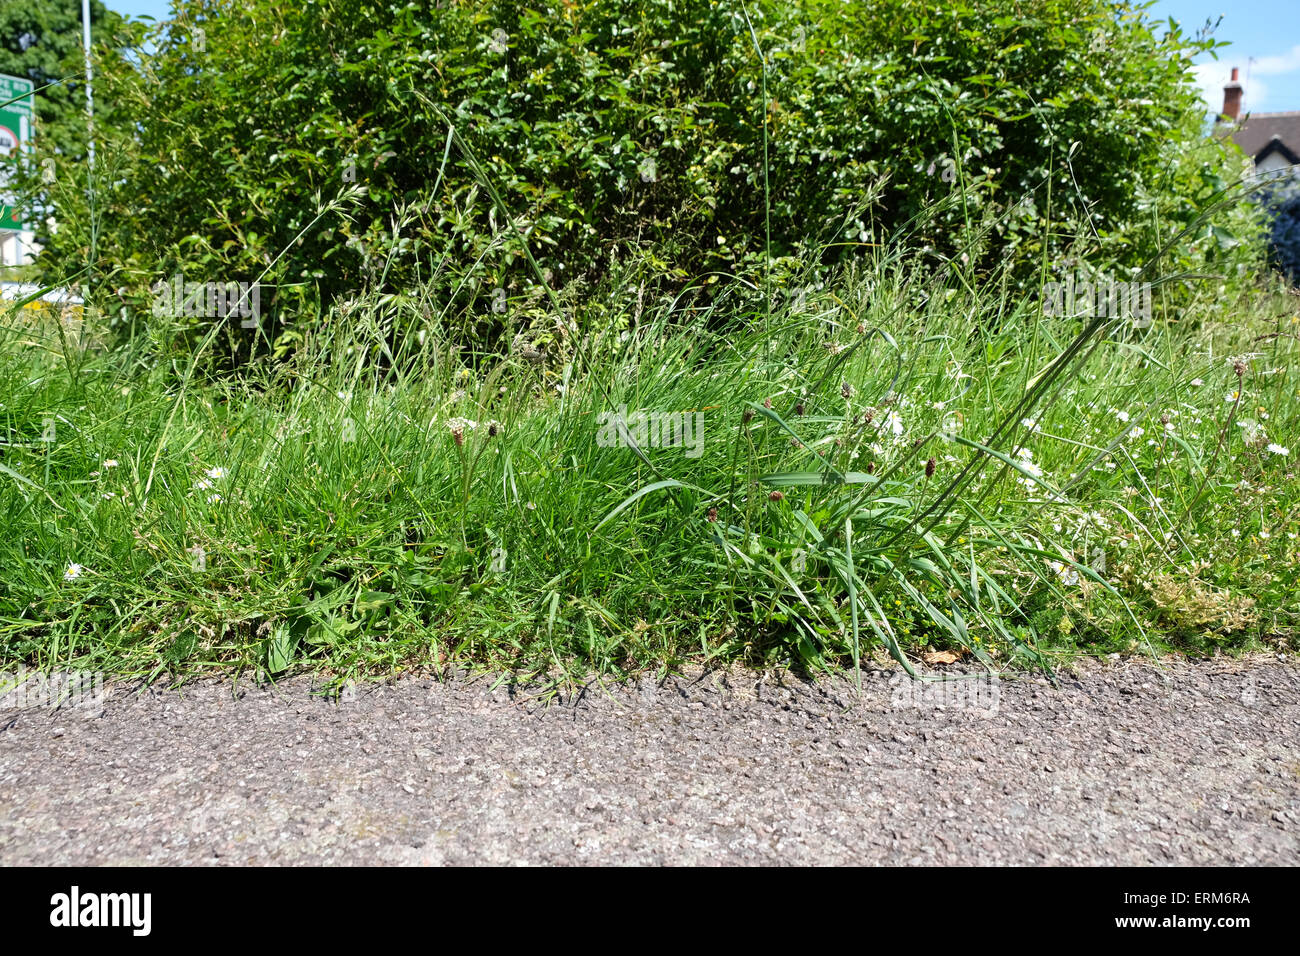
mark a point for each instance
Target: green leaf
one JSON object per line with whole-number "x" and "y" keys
{"x": 279, "y": 649}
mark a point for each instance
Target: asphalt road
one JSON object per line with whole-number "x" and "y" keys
{"x": 1122, "y": 764}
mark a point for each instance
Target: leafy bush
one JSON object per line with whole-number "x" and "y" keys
{"x": 350, "y": 144}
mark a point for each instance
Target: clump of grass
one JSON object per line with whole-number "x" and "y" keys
{"x": 897, "y": 461}
{"x": 1186, "y": 604}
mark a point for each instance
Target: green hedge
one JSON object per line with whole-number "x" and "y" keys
{"x": 631, "y": 130}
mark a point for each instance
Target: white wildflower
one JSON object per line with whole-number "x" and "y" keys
{"x": 1066, "y": 573}
{"x": 1252, "y": 432}
{"x": 458, "y": 427}
{"x": 894, "y": 423}
{"x": 1029, "y": 469}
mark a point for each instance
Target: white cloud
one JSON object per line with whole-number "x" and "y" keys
{"x": 1288, "y": 62}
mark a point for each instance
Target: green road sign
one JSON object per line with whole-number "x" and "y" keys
{"x": 15, "y": 132}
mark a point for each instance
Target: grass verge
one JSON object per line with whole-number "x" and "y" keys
{"x": 880, "y": 465}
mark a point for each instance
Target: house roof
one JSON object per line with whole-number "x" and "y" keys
{"x": 1275, "y": 145}
{"x": 1259, "y": 129}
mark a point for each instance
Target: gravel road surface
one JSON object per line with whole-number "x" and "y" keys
{"x": 1123, "y": 764}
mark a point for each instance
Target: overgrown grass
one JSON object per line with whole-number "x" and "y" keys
{"x": 891, "y": 463}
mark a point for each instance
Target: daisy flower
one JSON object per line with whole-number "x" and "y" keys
{"x": 217, "y": 473}
{"x": 1276, "y": 449}
{"x": 1030, "y": 470}
{"x": 73, "y": 572}
{"x": 1067, "y": 574}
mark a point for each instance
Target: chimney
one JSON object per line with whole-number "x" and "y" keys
{"x": 1232, "y": 98}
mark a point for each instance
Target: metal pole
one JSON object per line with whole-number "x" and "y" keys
{"x": 90, "y": 137}
{"x": 90, "y": 99}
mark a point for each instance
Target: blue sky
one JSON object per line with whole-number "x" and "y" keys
{"x": 1265, "y": 37}
{"x": 158, "y": 9}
